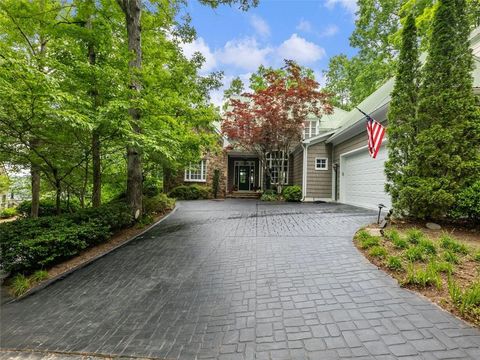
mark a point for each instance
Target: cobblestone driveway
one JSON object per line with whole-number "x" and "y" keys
{"x": 239, "y": 280}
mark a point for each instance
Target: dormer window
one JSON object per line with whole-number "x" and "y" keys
{"x": 310, "y": 129}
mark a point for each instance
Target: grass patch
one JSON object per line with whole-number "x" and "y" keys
{"x": 427, "y": 246}
{"x": 39, "y": 275}
{"x": 19, "y": 285}
{"x": 400, "y": 243}
{"x": 366, "y": 241}
{"x": 414, "y": 236}
{"x": 466, "y": 301}
{"x": 448, "y": 243}
{"x": 414, "y": 253}
{"x": 423, "y": 277}
{"x": 378, "y": 251}
{"x": 394, "y": 263}
{"x": 451, "y": 257}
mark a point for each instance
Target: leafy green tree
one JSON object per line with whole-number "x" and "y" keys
{"x": 446, "y": 156}
{"x": 352, "y": 80}
{"x": 378, "y": 37}
{"x": 424, "y": 11}
{"x": 236, "y": 88}
{"x": 402, "y": 112}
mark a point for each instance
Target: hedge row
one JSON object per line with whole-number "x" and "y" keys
{"x": 190, "y": 192}
{"x": 30, "y": 244}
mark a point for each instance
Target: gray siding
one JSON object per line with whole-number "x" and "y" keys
{"x": 319, "y": 182}
{"x": 297, "y": 172}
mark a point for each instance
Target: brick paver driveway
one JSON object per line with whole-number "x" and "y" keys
{"x": 239, "y": 280}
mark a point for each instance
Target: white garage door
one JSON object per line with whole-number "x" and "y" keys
{"x": 362, "y": 181}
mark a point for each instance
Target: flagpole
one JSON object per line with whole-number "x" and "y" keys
{"x": 363, "y": 112}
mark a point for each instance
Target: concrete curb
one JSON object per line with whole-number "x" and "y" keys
{"x": 61, "y": 276}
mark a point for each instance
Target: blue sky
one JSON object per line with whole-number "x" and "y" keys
{"x": 237, "y": 42}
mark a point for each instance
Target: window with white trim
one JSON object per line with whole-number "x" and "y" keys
{"x": 310, "y": 128}
{"x": 274, "y": 163}
{"x": 321, "y": 164}
{"x": 197, "y": 172}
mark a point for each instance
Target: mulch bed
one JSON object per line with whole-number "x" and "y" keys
{"x": 465, "y": 273}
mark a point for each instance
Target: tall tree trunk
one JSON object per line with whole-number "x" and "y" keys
{"x": 96, "y": 142}
{"x": 132, "y": 10}
{"x": 35, "y": 175}
{"x": 96, "y": 171}
{"x": 58, "y": 192}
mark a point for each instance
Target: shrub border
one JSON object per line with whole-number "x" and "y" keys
{"x": 63, "y": 275}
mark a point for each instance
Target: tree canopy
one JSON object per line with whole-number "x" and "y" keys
{"x": 66, "y": 95}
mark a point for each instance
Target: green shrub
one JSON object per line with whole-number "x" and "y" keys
{"x": 8, "y": 213}
{"x": 468, "y": 202}
{"x": 190, "y": 192}
{"x": 450, "y": 257}
{"x": 270, "y": 192}
{"x": 39, "y": 275}
{"x": 152, "y": 186}
{"x": 394, "y": 263}
{"x": 158, "y": 204}
{"x": 427, "y": 246}
{"x": 29, "y": 244}
{"x": 47, "y": 207}
{"x": 269, "y": 197}
{"x": 414, "y": 236}
{"x": 292, "y": 193}
{"x": 448, "y": 243}
{"x": 116, "y": 215}
{"x": 476, "y": 257}
{"x": 378, "y": 252}
{"x": 19, "y": 285}
{"x": 413, "y": 254}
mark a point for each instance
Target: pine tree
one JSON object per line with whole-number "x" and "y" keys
{"x": 445, "y": 158}
{"x": 402, "y": 112}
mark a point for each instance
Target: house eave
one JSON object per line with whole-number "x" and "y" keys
{"x": 358, "y": 126}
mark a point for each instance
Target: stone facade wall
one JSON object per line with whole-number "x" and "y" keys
{"x": 214, "y": 161}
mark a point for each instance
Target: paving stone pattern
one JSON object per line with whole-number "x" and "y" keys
{"x": 239, "y": 279}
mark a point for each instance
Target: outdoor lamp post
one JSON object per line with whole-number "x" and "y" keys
{"x": 380, "y": 207}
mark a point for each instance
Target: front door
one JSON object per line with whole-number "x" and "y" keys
{"x": 244, "y": 178}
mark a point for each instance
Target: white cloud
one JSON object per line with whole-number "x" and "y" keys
{"x": 260, "y": 25}
{"x": 349, "y": 5}
{"x": 329, "y": 31}
{"x": 301, "y": 50}
{"x": 243, "y": 53}
{"x": 199, "y": 45}
{"x": 304, "y": 25}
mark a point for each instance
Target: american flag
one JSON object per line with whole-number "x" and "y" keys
{"x": 375, "y": 132}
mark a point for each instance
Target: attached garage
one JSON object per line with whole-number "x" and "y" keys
{"x": 362, "y": 179}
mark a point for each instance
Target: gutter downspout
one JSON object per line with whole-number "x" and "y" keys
{"x": 304, "y": 172}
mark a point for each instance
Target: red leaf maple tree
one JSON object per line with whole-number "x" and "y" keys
{"x": 270, "y": 120}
